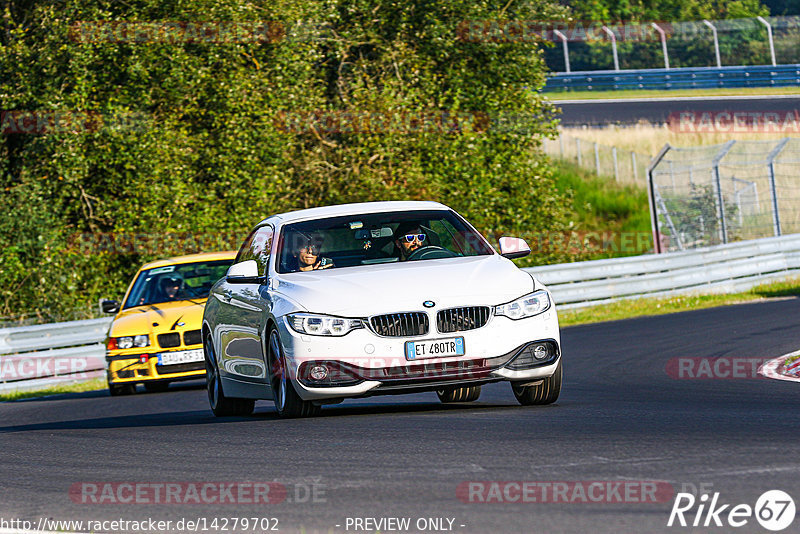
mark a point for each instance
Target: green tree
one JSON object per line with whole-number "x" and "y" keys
{"x": 192, "y": 141}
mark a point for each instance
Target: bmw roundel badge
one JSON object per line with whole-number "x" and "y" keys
{"x": 429, "y": 304}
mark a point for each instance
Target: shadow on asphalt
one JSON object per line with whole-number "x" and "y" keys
{"x": 98, "y": 393}
{"x": 205, "y": 417}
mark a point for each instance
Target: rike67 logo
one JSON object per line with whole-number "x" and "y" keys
{"x": 774, "y": 510}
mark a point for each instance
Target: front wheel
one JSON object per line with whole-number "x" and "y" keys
{"x": 287, "y": 402}
{"x": 546, "y": 392}
{"x": 464, "y": 394}
{"x": 221, "y": 405}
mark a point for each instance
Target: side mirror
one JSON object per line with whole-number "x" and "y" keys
{"x": 109, "y": 306}
{"x": 245, "y": 272}
{"x": 514, "y": 247}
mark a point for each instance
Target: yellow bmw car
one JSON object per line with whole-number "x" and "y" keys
{"x": 154, "y": 338}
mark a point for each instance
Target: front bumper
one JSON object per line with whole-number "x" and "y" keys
{"x": 126, "y": 367}
{"x": 378, "y": 366}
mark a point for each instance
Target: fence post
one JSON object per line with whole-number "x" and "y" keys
{"x": 597, "y": 159}
{"x": 763, "y": 21}
{"x": 566, "y": 48}
{"x": 613, "y": 46}
{"x": 578, "y": 148}
{"x": 616, "y": 166}
{"x": 652, "y": 197}
{"x": 716, "y": 41}
{"x": 633, "y": 164}
{"x": 663, "y": 43}
{"x": 720, "y": 201}
{"x": 776, "y": 219}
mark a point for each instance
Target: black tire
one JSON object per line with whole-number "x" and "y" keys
{"x": 156, "y": 387}
{"x": 287, "y": 402}
{"x": 463, "y": 394}
{"x": 221, "y": 405}
{"x": 118, "y": 390}
{"x": 545, "y": 393}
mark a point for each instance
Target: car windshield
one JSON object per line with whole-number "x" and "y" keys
{"x": 185, "y": 281}
{"x": 374, "y": 238}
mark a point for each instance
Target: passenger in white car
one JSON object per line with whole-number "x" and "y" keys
{"x": 307, "y": 254}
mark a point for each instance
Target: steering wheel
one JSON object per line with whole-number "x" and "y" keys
{"x": 431, "y": 252}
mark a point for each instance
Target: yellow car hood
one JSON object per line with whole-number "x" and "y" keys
{"x": 156, "y": 319}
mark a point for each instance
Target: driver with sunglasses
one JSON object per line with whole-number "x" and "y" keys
{"x": 409, "y": 237}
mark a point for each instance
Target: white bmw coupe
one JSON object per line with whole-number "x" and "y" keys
{"x": 377, "y": 298}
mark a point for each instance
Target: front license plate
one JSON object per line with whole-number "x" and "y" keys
{"x": 180, "y": 356}
{"x": 434, "y": 348}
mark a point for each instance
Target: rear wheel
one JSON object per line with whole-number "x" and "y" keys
{"x": 221, "y": 405}
{"x": 287, "y": 402}
{"x": 463, "y": 394}
{"x": 156, "y": 387}
{"x": 546, "y": 392}
{"x": 117, "y": 390}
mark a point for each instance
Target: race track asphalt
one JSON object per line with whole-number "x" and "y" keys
{"x": 657, "y": 110}
{"x": 621, "y": 417}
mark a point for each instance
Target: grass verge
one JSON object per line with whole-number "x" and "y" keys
{"x": 619, "y": 214}
{"x": 645, "y": 93}
{"x": 89, "y": 385}
{"x": 628, "y": 309}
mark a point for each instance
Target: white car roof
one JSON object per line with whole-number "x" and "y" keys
{"x": 356, "y": 208}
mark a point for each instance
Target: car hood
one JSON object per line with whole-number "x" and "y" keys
{"x": 397, "y": 287}
{"x": 167, "y": 315}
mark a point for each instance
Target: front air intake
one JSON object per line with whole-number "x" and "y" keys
{"x": 460, "y": 319}
{"x": 408, "y": 324}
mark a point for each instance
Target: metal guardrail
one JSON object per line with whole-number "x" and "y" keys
{"x": 683, "y": 78}
{"x": 719, "y": 269}
{"x": 49, "y": 354}
{"x": 43, "y": 355}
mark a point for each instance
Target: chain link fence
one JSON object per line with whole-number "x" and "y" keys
{"x": 625, "y": 166}
{"x": 717, "y": 194}
{"x": 589, "y": 45}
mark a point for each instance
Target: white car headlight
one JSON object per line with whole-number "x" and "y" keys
{"x": 127, "y": 342}
{"x": 323, "y": 325}
{"x": 527, "y": 306}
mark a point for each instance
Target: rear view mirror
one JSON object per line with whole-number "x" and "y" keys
{"x": 109, "y": 306}
{"x": 514, "y": 247}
